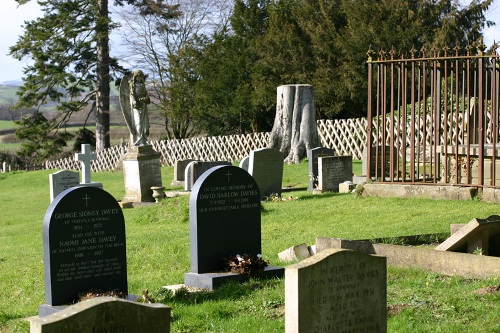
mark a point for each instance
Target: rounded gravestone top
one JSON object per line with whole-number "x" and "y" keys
{"x": 84, "y": 245}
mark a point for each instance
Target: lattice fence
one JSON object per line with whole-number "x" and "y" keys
{"x": 217, "y": 148}
{"x": 346, "y": 136}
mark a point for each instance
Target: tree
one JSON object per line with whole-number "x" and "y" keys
{"x": 69, "y": 49}
{"x": 38, "y": 144}
{"x": 164, "y": 48}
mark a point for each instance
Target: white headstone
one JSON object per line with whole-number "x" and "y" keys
{"x": 62, "y": 180}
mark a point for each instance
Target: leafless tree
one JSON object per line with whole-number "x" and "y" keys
{"x": 149, "y": 42}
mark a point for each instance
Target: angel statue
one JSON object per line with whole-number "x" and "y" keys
{"x": 134, "y": 101}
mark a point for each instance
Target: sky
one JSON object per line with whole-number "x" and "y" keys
{"x": 12, "y": 18}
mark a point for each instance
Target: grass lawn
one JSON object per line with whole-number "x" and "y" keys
{"x": 158, "y": 255}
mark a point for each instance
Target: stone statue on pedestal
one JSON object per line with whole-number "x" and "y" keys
{"x": 141, "y": 163}
{"x": 134, "y": 102}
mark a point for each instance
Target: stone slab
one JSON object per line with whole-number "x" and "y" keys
{"x": 474, "y": 235}
{"x": 106, "y": 314}
{"x": 179, "y": 171}
{"x": 419, "y": 191}
{"x": 440, "y": 262}
{"x": 212, "y": 281}
{"x": 336, "y": 291}
{"x": 195, "y": 169}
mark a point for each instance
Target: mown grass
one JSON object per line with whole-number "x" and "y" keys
{"x": 158, "y": 255}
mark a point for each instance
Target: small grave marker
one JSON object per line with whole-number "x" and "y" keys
{"x": 244, "y": 163}
{"x": 266, "y": 167}
{"x": 332, "y": 171}
{"x": 83, "y": 245}
{"x": 336, "y": 291}
{"x": 312, "y": 158}
{"x": 62, "y": 180}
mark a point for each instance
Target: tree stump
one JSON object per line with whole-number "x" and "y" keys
{"x": 294, "y": 130}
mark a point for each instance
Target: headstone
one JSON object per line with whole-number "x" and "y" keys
{"x": 387, "y": 160}
{"x": 83, "y": 246}
{"x": 479, "y": 235}
{"x": 266, "y": 167}
{"x": 195, "y": 169}
{"x": 336, "y": 291}
{"x": 332, "y": 171}
{"x": 105, "y": 314}
{"x": 4, "y": 167}
{"x": 62, "y": 180}
{"x": 141, "y": 171}
{"x": 86, "y": 157}
{"x": 225, "y": 220}
{"x": 244, "y": 163}
{"x": 312, "y": 157}
{"x": 179, "y": 170}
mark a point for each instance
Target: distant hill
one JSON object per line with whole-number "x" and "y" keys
{"x": 13, "y": 83}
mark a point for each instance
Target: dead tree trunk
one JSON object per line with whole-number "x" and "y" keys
{"x": 294, "y": 130}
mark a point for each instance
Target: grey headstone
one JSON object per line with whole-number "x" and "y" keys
{"x": 4, "y": 167}
{"x": 312, "y": 157}
{"x": 195, "y": 169}
{"x": 83, "y": 245}
{"x": 223, "y": 200}
{"x": 180, "y": 168}
{"x": 62, "y": 180}
{"x": 244, "y": 163}
{"x": 266, "y": 167}
{"x": 333, "y": 171}
{"x": 336, "y": 291}
{"x": 387, "y": 160}
{"x": 105, "y": 314}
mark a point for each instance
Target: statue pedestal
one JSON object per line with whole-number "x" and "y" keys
{"x": 141, "y": 171}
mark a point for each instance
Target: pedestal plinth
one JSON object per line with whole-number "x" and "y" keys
{"x": 141, "y": 171}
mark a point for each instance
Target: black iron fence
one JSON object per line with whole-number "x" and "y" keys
{"x": 434, "y": 117}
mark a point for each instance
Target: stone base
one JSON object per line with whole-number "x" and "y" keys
{"x": 212, "y": 281}
{"x": 141, "y": 171}
{"x": 47, "y": 309}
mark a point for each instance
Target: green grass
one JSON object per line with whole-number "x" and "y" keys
{"x": 158, "y": 255}
{"x": 6, "y": 124}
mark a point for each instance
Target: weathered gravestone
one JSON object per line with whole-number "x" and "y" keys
{"x": 379, "y": 154}
{"x": 179, "y": 170}
{"x": 105, "y": 314}
{"x": 266, "y": 167}
{"x": 336, "y": 291}
{"x": 62, "y": 180}
{"x": 83, "y": 246}
{"x": 332, "y": 171}
{"x": 195, "y": 169}
{"x": 224, "y": 214}
{"x": 312, "y": 158}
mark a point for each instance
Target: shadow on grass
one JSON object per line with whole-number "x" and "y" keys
{"x": 322, "y": 196}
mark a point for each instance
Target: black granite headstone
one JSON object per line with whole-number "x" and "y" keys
{"x": 224, "y": 213}
{"x": 312, "y": 157}
{"x": 83, "y": 245}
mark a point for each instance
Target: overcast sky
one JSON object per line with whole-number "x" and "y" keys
{"x": 12, "y": 18}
